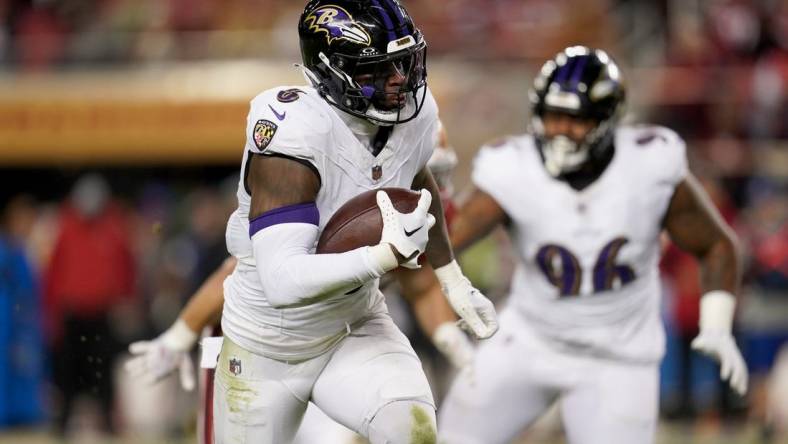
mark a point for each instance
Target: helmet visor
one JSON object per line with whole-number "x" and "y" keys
{"x": 389, "y": 81}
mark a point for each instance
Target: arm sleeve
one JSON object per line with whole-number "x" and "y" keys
{"x": 292, "y": 275}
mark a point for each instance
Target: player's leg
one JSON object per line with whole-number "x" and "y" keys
{"x": 374, "y": 385}
{"x": 317, "y": 427}
{"x": 612, "y": 403}
{"x": 405, "y": 422}
{"x": 259, "y": 400}
{"x": 505, "y": 390}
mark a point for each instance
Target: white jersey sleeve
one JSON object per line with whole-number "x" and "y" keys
{"x": 297, "y": 129}
{"x": 431, "y": 137}
{"x": 495, "y": 169}
{"x": 661, "y": 147}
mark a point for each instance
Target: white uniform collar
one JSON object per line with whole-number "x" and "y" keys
{"x": 363, "y": 129}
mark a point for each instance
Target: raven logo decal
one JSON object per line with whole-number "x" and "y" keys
{"x": 337, "y": 24}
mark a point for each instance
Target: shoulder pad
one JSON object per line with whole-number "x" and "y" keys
{"x": 496, "y": 158}
{"x": 289, "y": 121}
{"x": 651, "y": 136}
{"x": 661, "y": 148}
{"x": 429, "y": 110}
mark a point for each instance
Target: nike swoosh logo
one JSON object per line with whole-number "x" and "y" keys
{"x": 410, "y": 233}
{"x": 278, "y": 116}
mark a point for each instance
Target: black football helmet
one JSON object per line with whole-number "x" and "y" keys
{"x": 582, "y": 82}
{"x": 351, "y": 49}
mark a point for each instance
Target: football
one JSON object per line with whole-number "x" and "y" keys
{"x": 358, "y": 222}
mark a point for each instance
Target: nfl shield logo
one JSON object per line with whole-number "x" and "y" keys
{"x": 235, "y": 366}
{"x": 377, "y": 172}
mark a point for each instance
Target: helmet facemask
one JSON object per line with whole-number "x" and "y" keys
{"x": 366, "y": 85}
{"x": 563, "y": 155}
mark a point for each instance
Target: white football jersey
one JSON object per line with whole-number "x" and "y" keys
{"x": 588, "y": 275}
{"x": 297, "y": 123}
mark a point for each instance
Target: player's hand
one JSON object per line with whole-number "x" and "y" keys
{"x": 721, "y": 346}
{"x": 480, "y": 320}
{"x": 156, "y": 359}
{"x": 476, "y": 312}
{"x": 453, "y": 344}
{"x": 407, "y": 233}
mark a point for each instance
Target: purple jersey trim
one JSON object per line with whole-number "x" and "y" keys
{"x": 301, "y": 213}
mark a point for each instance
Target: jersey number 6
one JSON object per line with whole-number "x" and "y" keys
{"x": 563, "y": 270}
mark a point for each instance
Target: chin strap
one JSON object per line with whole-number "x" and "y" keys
{"x": 309, "y": 76}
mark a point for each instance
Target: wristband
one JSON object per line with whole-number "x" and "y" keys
{"x": 449, "y": 274}
{"x": 716, "y": 310}
{"x": 383, "y": 257}
{"x": 179, "y": 336}
{"x": 453, "y": 344}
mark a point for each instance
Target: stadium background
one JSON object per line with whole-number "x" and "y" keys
{"x": 152, "y": 95}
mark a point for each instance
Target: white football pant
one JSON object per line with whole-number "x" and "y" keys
{"x": 516, "y": 376}
{"x": 372, "y": 383}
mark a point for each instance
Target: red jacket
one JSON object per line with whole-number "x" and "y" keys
{"x": 92, "y": 267}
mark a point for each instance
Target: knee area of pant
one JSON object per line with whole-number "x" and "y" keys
{"x": 404, "y": 422}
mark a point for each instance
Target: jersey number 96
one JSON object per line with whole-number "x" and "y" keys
{"x": 563, "y": 270}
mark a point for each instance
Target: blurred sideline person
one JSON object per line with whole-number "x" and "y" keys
{"x": 22, "y": 351}
{"x": 91, "y": 273}
{"x": 160, "y": 357}
{"x": 585, "y": 200}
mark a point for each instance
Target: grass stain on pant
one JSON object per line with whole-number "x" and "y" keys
{"x": 423, "y": 431}
{"x": 239, "y": 395}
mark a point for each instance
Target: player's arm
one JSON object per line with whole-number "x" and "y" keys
{"x": 476, "y": 312}
{"x": 434, "y": 315}
{"x": 475, "y": 219}
{"x": 696, "y": 226}
{"x": 283, "y": 227}
{"x": 153, "y": 360}
{"x": 422, "y": 291}
{"x": 439, "y": 251}
{"x": 205, "y": 306}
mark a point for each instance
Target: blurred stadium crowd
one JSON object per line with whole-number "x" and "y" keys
{"x": 93, "y": 255}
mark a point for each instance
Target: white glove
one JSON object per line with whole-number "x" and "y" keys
{"x": 476, "y": 312}
{"x": 156, "y": 359}
{"x": 453, "y": 344}
{"x": 715, "y": 338}
{"x": 407, "y": 233}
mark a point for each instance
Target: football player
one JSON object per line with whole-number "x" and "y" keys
{"x": 156, "y": 359}
{"x": 300, "y": 326}
{"x": 584, "y": 199}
